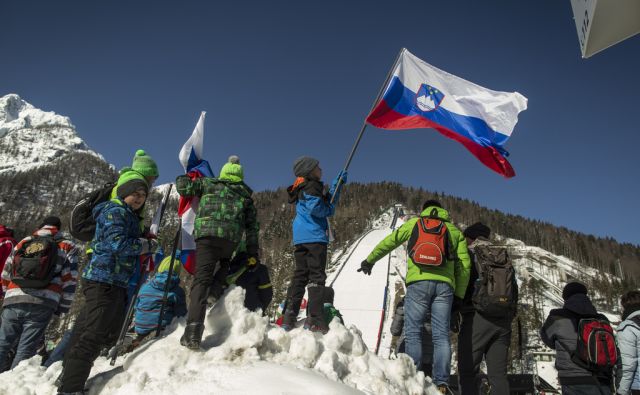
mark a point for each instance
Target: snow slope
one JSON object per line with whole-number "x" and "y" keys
{"x": 30, "y": 137}
{"x": 242, "y": 354}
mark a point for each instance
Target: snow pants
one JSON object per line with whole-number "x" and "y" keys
{"x": 97, "y": 326}
{"x": 586, "y": 389}
{"x": 480, "y": 337}
{"x": 212, "y": 267}
{"x": 311, "y": 263}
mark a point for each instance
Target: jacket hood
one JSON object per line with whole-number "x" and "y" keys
{"x": 442, "y": 213}
{"x": 4, "y": 232}
{"x": 580, "y": 304}
{"x": 107, "y": 205}
{"x": 160, "y": 279}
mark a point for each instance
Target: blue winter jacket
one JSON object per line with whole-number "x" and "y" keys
{"x": 116, "y": 245}
{"x": 312, "y": 209}
{"x": 150, "y": 302}
{"x": 629, "y": 344}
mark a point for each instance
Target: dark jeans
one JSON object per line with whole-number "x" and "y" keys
{"x": 586, "y": 389}
{"x": 61, "y": 348}
{"x": 24, "y": 324}
{"x": 480, "y": 337}
{"x": 97, "y": 326}
{"x": 311, "y": 262}
{"x": 212, "y": 266}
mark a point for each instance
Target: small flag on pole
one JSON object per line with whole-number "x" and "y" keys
{"x": 419, "y": 95}
{"x": 191, "y": 159}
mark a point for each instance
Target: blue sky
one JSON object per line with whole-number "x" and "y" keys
{"x": 285, "y": 78}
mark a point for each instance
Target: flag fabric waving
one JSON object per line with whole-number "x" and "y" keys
{"x": 419, "y": 95}
{"x": 191, "y": 159}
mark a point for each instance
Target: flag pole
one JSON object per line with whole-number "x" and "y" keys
{"x": 364, "y": 124}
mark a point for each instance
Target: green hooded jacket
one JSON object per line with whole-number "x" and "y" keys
{"x": 455, "y": 273}
{"x": 226, "y": 209}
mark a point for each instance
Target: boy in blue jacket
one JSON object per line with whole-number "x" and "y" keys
{"x": 310, "y": 238}
{"x": 117, "y": 245}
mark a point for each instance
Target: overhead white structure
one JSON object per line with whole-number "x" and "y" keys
{"x": 603, "y": 23}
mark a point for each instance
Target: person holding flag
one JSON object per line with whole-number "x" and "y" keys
{"x": 225, "y": 214}
{"x": 310, "y": 238}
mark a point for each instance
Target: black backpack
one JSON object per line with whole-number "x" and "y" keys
{"x": 34, "y": 264}
{"x": 81, "y": 224}
{"x": 495, "y": 292}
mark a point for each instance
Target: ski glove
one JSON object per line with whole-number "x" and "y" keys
{"x": 149, "y": 246}
{"x": 365, "y": 267}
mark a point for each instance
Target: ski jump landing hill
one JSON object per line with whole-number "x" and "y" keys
{"x": 367, "y": 301}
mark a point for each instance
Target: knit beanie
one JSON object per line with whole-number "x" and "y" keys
{"x": 51, "y": 221}
{"x": 477, "y": 230}
{"x": 164, "y": 265}
{"x": 573, "y": 288}
{"x": 144, "y": 164}
{"x": 129, "y": 182}
{"x": 304, "y": 165}
{"x": 232, "y": 170}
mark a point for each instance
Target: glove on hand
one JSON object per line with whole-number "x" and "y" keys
{"x": 365, "y": 267}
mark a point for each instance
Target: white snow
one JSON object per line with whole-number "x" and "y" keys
{"x": 242, "y": 354}
{"x": 30, "y": 137}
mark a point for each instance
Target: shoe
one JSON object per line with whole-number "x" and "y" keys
{"x": 444, "y": 389}
{"x": 318, "y": 328}
{"x": 287, "y": 327}
{"x": 192, "y": 335}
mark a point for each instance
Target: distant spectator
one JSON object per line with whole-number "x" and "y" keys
{"x": 629, "y": 343}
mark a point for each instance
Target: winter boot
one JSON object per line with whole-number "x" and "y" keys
{"x": 444, "y": 389}
{"x": 192, "y": 335}
{"x": 290, "y": 315}
{"x": 315, "y": 310}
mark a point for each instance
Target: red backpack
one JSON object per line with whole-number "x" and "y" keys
{"x": 429, "y": 244}
{"x": 596, "y": 349}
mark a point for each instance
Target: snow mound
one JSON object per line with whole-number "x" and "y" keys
{"x": 30, "y": 137}
{"x": 242, "y": 353}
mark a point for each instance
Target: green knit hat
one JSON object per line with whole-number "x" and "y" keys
{"x": 144, "y": 164}
{"x": 232, "y": 170}
{"x": 129, "y": 182}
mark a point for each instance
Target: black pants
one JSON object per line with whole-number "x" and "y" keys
{"x": 212, "y": 266}
{"x": 311, "y": 263}
{"x": 480, "y": 337}
{"x": 98, "y": 325}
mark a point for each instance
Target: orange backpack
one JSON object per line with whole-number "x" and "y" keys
{"x": 429, "y": 244}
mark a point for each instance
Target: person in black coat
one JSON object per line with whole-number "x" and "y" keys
{"x": 560, "y": 333}
{"x": 253, "y": 276}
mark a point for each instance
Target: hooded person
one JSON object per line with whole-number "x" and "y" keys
{"x": 310, "y": 239}
{"x": 151, "y": 295}
{"x": 560, "y": 333}
{"x": 226, "y": 214}
{"x": 117, "y": 246}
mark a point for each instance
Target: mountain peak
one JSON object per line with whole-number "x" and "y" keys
{"x": 31, "y": 137}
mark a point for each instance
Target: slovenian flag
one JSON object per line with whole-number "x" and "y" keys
{"x": 191, "y": 159}
{"x": 419, "y": 95}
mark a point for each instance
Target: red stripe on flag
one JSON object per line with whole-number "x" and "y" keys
{"x": 385, "y": 117}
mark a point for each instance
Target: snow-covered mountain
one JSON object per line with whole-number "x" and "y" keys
{"x": 45, "y": 167}
{"x": 30, "y": 137}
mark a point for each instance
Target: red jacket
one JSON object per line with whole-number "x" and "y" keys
{"x": 7, "y": 242}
